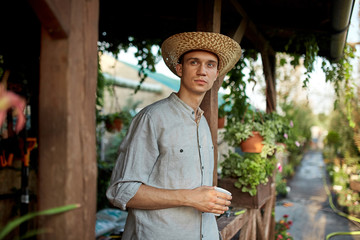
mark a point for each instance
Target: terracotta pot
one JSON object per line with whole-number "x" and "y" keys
{"x": 355, "y": 185}
{"x": 244, "y": 199}
{"x": 221, "y": 122}
{"x": 116, "y": 125}
{"x": 253, "y": 144}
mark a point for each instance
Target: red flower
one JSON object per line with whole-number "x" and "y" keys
{"x": 286, "y": 216}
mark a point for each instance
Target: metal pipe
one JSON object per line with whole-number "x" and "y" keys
{"x": 341, "y": 12}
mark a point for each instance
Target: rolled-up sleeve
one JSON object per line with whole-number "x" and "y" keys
{"x": 137, "y": 156}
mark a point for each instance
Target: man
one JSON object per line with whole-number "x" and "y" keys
{"x": 164, "y": 171}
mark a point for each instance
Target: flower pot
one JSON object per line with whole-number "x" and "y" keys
{"x": 244, "y": 199}
{"x": 115, "y": 125}
{"x": 221, "y": 122}
{"x": 253, "y": 144}
{"x": 355, "y": 185}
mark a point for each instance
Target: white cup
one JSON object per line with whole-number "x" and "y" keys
{"x": 219, "y": 189}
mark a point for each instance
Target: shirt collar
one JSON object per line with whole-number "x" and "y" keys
{"x": 184, "y": 107}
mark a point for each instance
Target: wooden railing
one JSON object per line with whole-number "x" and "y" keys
{"x": 250, "y": 223}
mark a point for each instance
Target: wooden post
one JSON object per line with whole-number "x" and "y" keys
{"x": 269, "y": 62}
{"x": 67, "y": 154}
{"x": 209, "y": 13}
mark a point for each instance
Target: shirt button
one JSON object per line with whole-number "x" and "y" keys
{"x": 192, "y": 112}
{"x": 202, "y": 167}
{"x": 181, "y": 150}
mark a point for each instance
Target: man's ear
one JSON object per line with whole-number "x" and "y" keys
{"x": 179, "y": 68}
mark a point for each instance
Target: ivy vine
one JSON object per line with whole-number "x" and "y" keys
{"x": 311, "y": 53}
{"x": 339, "y": 73}
{"x": 236, "y": 101}
{"x": 146, "y": 58}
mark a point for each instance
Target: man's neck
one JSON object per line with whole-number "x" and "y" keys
{"x": 193, "y": 100}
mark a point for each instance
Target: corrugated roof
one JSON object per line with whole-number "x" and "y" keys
{"x": 172, "y": 83}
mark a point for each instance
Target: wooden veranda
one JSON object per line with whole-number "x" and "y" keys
{"x": 60, "y": 38}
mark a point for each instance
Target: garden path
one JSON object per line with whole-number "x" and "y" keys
{"x": 307, "y": 204}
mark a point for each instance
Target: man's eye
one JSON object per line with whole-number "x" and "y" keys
{"x": 193, "y": 62}
{"x": 211, "y": 65}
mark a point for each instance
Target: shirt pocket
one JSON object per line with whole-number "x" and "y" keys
{"x": 183, "y": 167}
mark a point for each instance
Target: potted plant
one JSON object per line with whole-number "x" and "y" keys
{"x": 248, "y": 177}
{"x": 257, "y": 128}
{"x": 221, "y": 116}
{"x": 115, "y": 121}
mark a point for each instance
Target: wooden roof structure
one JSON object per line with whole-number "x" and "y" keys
{"x": 271, "y": 22}
{"x": 55, "y": 45}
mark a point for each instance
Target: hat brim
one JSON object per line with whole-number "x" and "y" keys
{"x": 227, "y": 50}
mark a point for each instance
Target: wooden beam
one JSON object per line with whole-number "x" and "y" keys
{"x": 240, "y": 31}
{"x": 229, "y": 226}
{"x": 273, "y": 202}
{"x": 260, "y": 225}
{"x": 268, "y": 61}
{"x": 252, "y": 222}
{"x": 209, "y": 16}
{"x": 239, "y": 8}
{"x": 53, "y": 16}
{"x": 209, "y": 19}
{"x": 252, "y": 32}
{"x": 67, "y": 155}
{"x": 268, "y": 212}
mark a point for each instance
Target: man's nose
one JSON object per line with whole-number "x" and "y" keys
{"x": 201, "y": 69}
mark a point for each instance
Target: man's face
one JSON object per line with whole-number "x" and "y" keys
{"x": 198, "y": 71}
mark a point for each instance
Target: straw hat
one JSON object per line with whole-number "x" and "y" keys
{"x": 227, "y": 50}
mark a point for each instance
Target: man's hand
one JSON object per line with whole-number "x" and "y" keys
{"x": 207, "y": 199}
{"x": 204, "y": 199}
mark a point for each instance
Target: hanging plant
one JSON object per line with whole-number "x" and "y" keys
{"x": 311, "y": 52}
{"x": 236, "y": 101}
{"x": 340, "y": 75}
{"x": 336, "y": 72}
{"x": 146, "y": 58}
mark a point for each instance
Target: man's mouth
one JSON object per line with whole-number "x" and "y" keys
{"x": 200, "y": 81}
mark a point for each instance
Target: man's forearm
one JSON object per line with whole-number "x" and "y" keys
{"x": 148, "y": 197}
{"x": 204, "y": 199}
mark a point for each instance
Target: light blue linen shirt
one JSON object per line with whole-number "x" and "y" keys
{"x": 165, "y": 148}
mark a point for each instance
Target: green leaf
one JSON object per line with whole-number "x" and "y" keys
{"x": 13, "y": 224}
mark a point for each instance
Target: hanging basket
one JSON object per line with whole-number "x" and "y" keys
{"x": 253, "y": 144}
{"x": 114, "y": 126}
